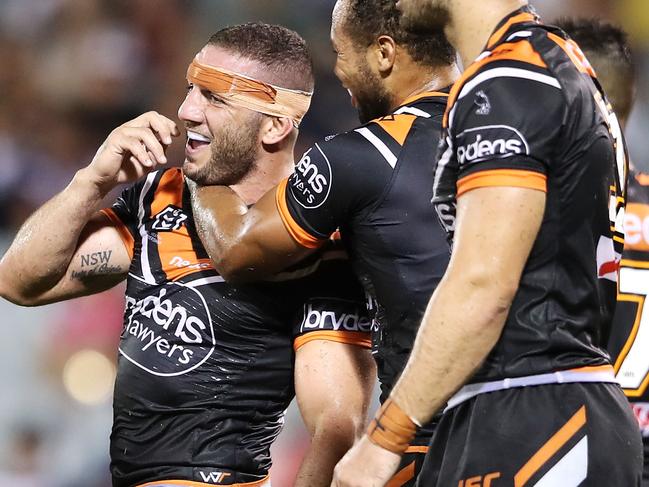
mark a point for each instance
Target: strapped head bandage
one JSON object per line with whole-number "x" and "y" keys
{"x": 251, "y": 93}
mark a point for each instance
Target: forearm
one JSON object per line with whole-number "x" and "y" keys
{"x": 329, "y": 442}
{"x": 41, "y": 251}
{"x": 461, "y": 325}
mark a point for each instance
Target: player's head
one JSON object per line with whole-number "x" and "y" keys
{"x": 606, "y": 47}
{"x": 424, "y": 16}
{"x": 248, "y": 89}
{"x": 375, "y": 54}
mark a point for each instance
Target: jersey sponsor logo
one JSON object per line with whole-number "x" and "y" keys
{"x": 641, "y": 413}
{"x": 169, "y": 333}
{"x": 181, "y": 263}
{"x": 169, "y": 219}
{"x": 636, "y": 227}
{"x": 333, "y": 320}
{"x": 310, "y": 184}
{"x": 490, "y": 142}
{"x": 214, "y": 477}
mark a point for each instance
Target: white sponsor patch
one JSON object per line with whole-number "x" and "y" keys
{"x": 490, "y": 142}
{"x": 333, "y": 320}
{"x": 310, "y": 184}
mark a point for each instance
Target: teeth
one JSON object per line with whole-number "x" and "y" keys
{"x": 197, "y": 137}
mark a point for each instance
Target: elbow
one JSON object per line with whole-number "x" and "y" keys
{"x": 17, "y": 298}
{"x": 237, "y": 267}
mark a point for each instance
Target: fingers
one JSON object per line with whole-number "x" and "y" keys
{"x": 163, "y": 127}
{"x": 148, "y": 142}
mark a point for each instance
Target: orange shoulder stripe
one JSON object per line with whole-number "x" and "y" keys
{"x": 358, "y": 338}
{"x": 522, "y": 51}
{"x": 398, "y": 126}
{"x": 518, "y": 19}
{"x": 300, "y": 235}
{"x": 124, "y": 234}
{"x": 517, "y": 178}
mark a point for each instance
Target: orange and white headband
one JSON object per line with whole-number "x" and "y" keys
{"x": 251, "y": 93}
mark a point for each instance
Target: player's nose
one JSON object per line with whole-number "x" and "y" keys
{"x": 191, "y": 109}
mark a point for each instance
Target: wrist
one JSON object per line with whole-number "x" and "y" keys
{"x": 391, "y": 428}
{"x": 94, "y": 186}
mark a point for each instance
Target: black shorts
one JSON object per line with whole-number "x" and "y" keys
{"x": 411, "y": 463}
{"x": 557, "y": 435}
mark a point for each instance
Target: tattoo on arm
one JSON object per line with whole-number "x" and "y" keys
{"x": 95, "y": 264}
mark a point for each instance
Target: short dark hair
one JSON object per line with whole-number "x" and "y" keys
{"x": 607, "y": 48}
{"x": 282, "y": 51}
{"x": 365, "y": 20}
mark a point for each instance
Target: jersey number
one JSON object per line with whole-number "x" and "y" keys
{"x": 632, "y": 366}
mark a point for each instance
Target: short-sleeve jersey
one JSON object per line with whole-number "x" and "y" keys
{"x": 530, "y": 113}
{"x": 205, "y": 368}
{"x": 629, "y": 344}
{"x": 374, "y": 184}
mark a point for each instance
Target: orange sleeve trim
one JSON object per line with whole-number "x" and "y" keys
{"x": 516, "y": 178}
{"x": 300, "y": 235}
{"x": 124, "y": 234}
{"x": 358, "y": 338}
{"x": 551, "y": 447}
{"x": 403, "y": 476}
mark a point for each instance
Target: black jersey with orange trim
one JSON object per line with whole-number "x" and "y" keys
{"x": 374, "y": 184}
{"x": 205, "y": 368}
{"x": 629, "y": 344}
{"x": 530, "y": 113}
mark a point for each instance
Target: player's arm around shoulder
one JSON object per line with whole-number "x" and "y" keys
{"x": 333, "y": 385}
{"x": 67, "y": 248}
{"x": 289, "y": 222}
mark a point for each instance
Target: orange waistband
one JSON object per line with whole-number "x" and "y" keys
{"x": 265, "y": 482}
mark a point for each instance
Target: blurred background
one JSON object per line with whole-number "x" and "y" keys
{"x": 71, "y": 71}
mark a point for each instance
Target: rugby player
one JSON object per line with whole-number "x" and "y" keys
{"x": 533, "y": 165}
{"x": 205, "y": 369}
{"x": 607, "y": 49}
{"x": 374, "y": 183}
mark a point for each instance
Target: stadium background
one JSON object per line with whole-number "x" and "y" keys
{"x": 71, "y": 71}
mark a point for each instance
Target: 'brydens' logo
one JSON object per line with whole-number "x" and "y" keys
{"x": 171, "y": 218}
{"x": 310, "y": 184}
{"x": 339, "y": 319}
{"x": 490, "y": 142}
{"x": 169, "y": 333}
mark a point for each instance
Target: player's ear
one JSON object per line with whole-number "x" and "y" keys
{"x": 275, "y": 129}
{"x": 385, "y": 53}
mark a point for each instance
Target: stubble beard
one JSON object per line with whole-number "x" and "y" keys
{"x": 233, "y": 155}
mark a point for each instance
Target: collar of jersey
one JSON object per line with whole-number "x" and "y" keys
{"x": 427, "y": 94}
{"x": 523, "y": 15}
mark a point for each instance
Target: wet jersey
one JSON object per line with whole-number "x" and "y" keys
{"x": 629, "y": 344}
{"x": 530, "y": 113}
{"x": 374, "y": 184}
{"x": 205, "y": 368}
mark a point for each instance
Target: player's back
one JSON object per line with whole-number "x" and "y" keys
{"x": 205, "y": 369}
{"x": 528, "y": 114}
{"x": 374, "y": 182}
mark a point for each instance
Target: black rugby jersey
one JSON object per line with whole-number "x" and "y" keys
{"x": 629, "y": 344}
{"x": 205, "y": 368}
{"x": 530, "y": 113}
{"x": 374, "y": 184}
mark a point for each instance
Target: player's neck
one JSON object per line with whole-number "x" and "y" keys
{"x": 473, "y": 22}
{"x": 435, "y": 80}
{"x": 268, "y": 172}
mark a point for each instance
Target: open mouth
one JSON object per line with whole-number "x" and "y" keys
{"x": 196, "y": 141}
